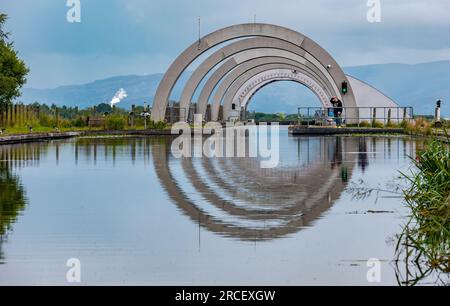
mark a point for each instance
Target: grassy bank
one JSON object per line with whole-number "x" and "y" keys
{"x": 45, "y": 129}
{"x": 40, "y": 118}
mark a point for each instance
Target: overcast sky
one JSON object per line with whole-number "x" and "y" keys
{"x": 120, "y": 37}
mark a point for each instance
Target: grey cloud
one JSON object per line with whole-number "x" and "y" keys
{"x": 138, "y": 36}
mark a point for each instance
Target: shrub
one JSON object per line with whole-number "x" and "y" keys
{"x": 404, "y": 124}
{"x": 115, "y": 123}
{"x": 391, "y": 124}
{"x": 364, "y": 124}
{"x": 32, "y": 123}
{"x": 419, "y": 126}
{"x": 46, "y": 120}
{"x": 79, "y": 122}
{"x": 64, "y": 123}
{"x": 161, "y": 125}
{"x": 378, "y": 124}
{"x": 423, "y": 126}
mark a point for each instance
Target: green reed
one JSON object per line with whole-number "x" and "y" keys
{"x": 425, "y": 240}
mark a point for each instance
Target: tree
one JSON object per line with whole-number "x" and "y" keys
{"x": 13, "y": 70}
{"x": 281, "y": 116}
{"x": 104, "y": 108}
{"x": 3, "y": 35}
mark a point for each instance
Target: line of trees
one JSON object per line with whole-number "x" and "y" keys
{"x": 13, "y": 70}
{"x": 18, "y": 118}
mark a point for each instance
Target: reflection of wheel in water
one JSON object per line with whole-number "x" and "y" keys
{"x": 234, "y": 197}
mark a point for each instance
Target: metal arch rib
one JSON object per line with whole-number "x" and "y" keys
{"x": 243, "y": 72}
{"x": 238, "y": 65}
{"x": 238, "y": 31}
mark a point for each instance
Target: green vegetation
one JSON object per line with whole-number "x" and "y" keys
{"x": 44, "y": 129}
{"x": 424, "y": 126}
{"x": 365, "y": 124}
{"x": 446, "y": 124}
{"x": 420, "y": 126}
{"x": 12, "y": 69}
{"x": 425, "y": 240}
{"x": 423, "y": 246}
{"x": 157, "y": 125}
{"x": 115, "y": 123}
{"x": 378, "y": 125}
{"x": 392, "y": 125}
{"x": 43, "y": 118}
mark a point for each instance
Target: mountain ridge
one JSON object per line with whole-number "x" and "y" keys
{"x": 417, "y": 85}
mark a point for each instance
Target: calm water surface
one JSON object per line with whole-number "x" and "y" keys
{"x": 133, "y": 214}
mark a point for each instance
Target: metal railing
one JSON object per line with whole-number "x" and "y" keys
{"x": 326, "y": 116}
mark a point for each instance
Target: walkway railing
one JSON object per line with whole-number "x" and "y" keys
{"x": 357, "y": 116}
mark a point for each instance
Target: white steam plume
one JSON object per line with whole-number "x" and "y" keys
{"x": 119, "y": 96}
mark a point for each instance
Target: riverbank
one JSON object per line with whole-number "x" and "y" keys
{"x": 358, "y": 131}
{"x": 293, "y": 130}
{"x": 33, "y": 137}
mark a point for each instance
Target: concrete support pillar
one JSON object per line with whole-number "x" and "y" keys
{"x": 437, "y": 117}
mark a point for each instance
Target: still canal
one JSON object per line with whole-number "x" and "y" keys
{"x": 133, "y": 214}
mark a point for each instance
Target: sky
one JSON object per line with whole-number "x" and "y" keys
{"x": 122, "y": 37}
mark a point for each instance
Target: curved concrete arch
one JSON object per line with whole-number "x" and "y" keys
{"x": 239, "y": 31}
{"x": 233, "y": 69}
{"x": 234, "y": 49}
{"x": 245, "y": 92}
{"x": 296, "y": 70}
{"x": 239, "y": 71}
{"x": 243, "y": 96}
{"x": 280, "y": 74}
{"x": 237, "y": 84}
{"x": 246, "y": 96}
{"x": 241, "y": 63}
{"x": 228, "y": 51}
{"x": 236, "y": 78}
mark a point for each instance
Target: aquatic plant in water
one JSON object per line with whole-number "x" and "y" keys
{"x": 424, "y": 244}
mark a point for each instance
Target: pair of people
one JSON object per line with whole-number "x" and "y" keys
{"x": 337, "y": 110}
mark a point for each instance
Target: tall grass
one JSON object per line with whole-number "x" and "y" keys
{"x": 425, "y": 240}
{"x": 419, "y": 126}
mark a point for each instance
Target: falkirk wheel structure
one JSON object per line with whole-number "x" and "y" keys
{"x": 247, "y": 57}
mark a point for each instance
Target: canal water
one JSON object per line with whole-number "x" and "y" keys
{"x": 133, "y": 214}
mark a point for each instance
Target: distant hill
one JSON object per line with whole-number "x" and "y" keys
{"x": 410, "y": 85}
{"x": 139, "y": 89}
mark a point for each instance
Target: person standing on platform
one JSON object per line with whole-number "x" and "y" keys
{"x": 337, "y": 110}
